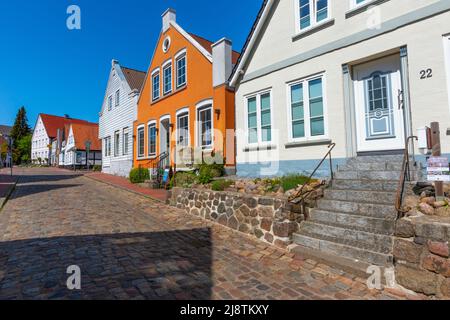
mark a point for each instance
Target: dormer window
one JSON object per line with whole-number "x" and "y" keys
{"x": 311, "y": 12}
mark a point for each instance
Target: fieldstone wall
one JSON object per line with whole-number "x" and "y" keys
{"x": 421, "y": 252}
{"x": 269, "y": 219}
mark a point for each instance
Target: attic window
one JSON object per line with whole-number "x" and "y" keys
{"x": 166, "y": 44}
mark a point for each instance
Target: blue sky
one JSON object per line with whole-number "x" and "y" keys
{"x": 50, "y": 69}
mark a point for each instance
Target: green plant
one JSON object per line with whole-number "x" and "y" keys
{"x": 139, "y": 175}
{"x": 185, "y": 179}
{"x": 205, "y": 177}
{"x": 221, "y": 185}
{"x": 97, "y": 168}
{"x": 290, "y": 182}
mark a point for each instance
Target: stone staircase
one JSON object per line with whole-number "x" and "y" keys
{"x": 353, "y": 224}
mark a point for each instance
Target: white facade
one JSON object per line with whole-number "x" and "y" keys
{"x": 116, "y": 123}
{"x": 40, "y": 142}
{"x": 401, "y": 45}
{"x": 70, "y": 157}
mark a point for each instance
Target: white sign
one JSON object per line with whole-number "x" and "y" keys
{"x": 438, "y": 169}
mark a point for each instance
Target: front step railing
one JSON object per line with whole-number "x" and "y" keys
{"x": 404, "y": 177}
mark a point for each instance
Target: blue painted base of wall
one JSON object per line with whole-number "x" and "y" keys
{"x": 281, "y": 168}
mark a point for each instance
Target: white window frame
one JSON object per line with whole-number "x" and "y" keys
{"x": 110, "y": 103}
{"x": 152, "y": 124}
{"x": 258, "y": 95}
{"x": 108, "y": 146}
{"x": 117, "y": 95}
{"x": 178, "y": 115}
{"x": 155, "y": 73}
{"x": 138, "y": 149}
{"x": 204, "y": 105}
{"x": 307, "y": 118}
{"x": 164, "y": 67}
{"x": 354, "y": 4}
{"x": 313, "y": 15}
{"x": 181, "y": 55}
{"x": 117, "y": 143}
{"x": 125, "y": 144}
{"x": 447, "y": 62}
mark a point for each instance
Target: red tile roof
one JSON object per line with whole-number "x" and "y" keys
{"x": 53, "y": 123}
{"x": 207, "y": 45}
{"x": 85, "y": 132}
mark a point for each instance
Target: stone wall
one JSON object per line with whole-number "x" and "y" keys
{"x": 421, "y": 252}
{"x": 269, "y": 219}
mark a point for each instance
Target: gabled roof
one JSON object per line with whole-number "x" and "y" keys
{"x": 208, "y": 46}
{"x": 251, "y": 39}
{"x": 135, "y": 78}
{"x": 85, "y": 132}
{"x": 5, "y": 129}
{"x": 53, "y": 123}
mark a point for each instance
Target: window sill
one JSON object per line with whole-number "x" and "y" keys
{"x": 362, "y": 8}
{"x": 168, "y": 95}
{"x": 260, "y": 148}
{"x": 308, "y": 143}
{"x": 311, "y": 30}
{"x": 448, "y": 131}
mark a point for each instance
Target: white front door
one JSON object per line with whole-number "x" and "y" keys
{"x": 378, "y": 111}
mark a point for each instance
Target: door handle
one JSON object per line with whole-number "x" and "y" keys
{"x": 400, "y": 100}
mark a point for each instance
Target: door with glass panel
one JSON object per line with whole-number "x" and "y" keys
{"x": 378, "y": 105}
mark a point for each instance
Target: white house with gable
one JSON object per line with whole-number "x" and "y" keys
{"x": 364, "y": 74}
{"x": 119, "y": 111}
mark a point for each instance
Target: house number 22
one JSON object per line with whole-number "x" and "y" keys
{"x": 425, "y": 74}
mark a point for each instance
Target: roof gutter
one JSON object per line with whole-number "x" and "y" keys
{"x": 239, "y": 70}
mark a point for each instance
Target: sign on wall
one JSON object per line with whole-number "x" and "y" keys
{"x": 438, "y": 169}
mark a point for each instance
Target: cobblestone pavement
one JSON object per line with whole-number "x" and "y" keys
{"x": 129, "y": 247}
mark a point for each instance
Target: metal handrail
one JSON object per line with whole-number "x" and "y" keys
{"x": 328, "y": 154}
{"x": 405, "y": 176}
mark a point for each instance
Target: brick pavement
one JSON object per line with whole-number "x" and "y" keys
{"x": 130, "y": 247}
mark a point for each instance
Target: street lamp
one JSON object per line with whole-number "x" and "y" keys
{"x": 10, "y": 149}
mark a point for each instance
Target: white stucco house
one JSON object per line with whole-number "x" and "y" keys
{"x": 119, "y": 111}
{"x": 48, "y": 135}
{"x": 364, "y": 74}
{"x": 74, "y": 153}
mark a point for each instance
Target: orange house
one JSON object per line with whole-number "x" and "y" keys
{"x": 186, "y": 108}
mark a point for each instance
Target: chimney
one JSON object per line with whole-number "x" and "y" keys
{"x": 222, "y": 61}
{"x": 168, "y": 16}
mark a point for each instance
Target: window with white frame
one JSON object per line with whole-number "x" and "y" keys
{"x": 155, "y": 86}
{"x": 307, "y": 109}
{"x": 259, "y": 118}
{"x": 141, "y": 142}
{"x": 358, "y": 2}
{"x": 125, "y": 142}
{"x": 167, "y": 73}
{"x": 107, "y": 146}
{"x": 152, "y": 139}
{"x": 116, "y": 143}
{"x": 181, "y": 70}
{"x": 117, "y": 98}
{"x": 205, "y": 138}
{"x": 311, "y": 12}
{"x": 183, "y": 129}
{"x": 110, "y": 102}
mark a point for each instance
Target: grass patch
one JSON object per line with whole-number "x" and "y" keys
{"x": 292, "y": 181}
{"x": 221, "y": 185}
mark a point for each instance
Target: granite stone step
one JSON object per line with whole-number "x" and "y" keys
{"x": 364, "y": 240}
{"x": 368, "y": 175}
{"x": 378, "y": 197}
{"x": 354, "y": 222}
{"x": 344, "y": 250}
{"x": 370, "y": 166}
{"x": 375, "y": 185}
{"x": 397, "y": 158}
{"x": 381, "y": 211}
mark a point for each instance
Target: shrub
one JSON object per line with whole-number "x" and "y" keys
{"x": 139, "y": 175}
{"x": 290, "y": 182}
{"x": 221, "y": 185}
{"x": 205, "y": 177}
{"x": 214, "y": 170}
{"x": 97, "y": 168}
{"x": 185, "y": 179}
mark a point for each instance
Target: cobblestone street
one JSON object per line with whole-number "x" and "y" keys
{"x": 130, "y": 247}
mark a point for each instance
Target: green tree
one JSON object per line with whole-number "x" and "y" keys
{"x": 20, "y": 130}
{"x": 24, "y": 148}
